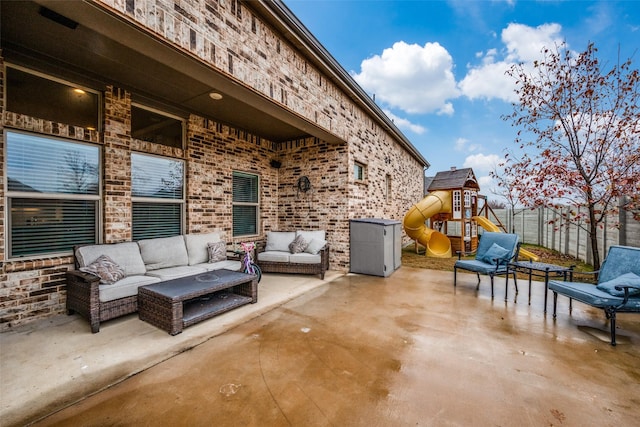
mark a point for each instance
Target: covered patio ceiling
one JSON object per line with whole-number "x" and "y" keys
{"x": 86, "y": 43}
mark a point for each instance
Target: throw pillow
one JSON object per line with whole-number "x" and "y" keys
{"x": 106, "y": 269}
{"x": 298, "y": 245}
{"x": 495, "y": 251}
{"x": 625, "y": 279}
{"x": 217, "y": 251}
{"x": 314, "y": 246}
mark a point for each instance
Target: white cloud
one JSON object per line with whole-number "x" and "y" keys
{"x": 413, "y": 78}
{"x": 481, "y": 163}
{"x": 460, "y": 144}
{"x": 405, "y": 124}
{"x": 523, "y": 44}
{"x": 464, "y": 145}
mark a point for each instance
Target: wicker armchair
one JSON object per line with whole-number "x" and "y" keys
{"x": 294, "y": 267}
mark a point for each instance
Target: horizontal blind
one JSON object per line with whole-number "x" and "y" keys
{"x": 41, "y": 226}
{"x": 245, "y": 220}
{"x": 245, "y": 204}
{"x": 153, "y": 220}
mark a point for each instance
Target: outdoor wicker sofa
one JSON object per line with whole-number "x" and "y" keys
{"x": 299, "y": 252}
{"x": 126, "y": 266}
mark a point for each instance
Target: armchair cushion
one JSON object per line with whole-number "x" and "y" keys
{"x": 480, "y": 266}
{"x": 279, "y": 240}
{"x": 496, "y": 252}
{"x": 625, "y": 279}
{"x": 506, "y": 240}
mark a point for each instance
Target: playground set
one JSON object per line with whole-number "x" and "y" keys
{"x": 447, "y": 219}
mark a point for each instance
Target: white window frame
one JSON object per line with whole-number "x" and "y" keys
{"x": 10, "y": 196}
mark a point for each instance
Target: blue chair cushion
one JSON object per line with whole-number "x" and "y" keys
{"x": 496, "y": 252}
{"x": 479, "y": 266}
{"x": 625, "y": 279}
{"x": 506, "y": 240}
{"x": 588, "y": 293}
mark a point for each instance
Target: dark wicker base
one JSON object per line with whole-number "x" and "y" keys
{"x": 83, "y": 298}
{"x": 167, "y": 306}
{"x": 297, "y": 268}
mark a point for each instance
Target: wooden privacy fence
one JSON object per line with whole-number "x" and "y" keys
{"x": 570, "y": 239}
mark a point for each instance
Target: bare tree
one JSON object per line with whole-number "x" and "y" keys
{"x": 584, "y": 125}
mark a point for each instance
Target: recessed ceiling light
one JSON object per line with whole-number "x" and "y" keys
{"x": 79, "y": 91}
{"x": 215, "y": 96}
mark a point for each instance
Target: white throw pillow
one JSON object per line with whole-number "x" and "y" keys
{"x": 314, "y": 246}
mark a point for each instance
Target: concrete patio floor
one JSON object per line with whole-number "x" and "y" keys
{"x": 352, "y": 350}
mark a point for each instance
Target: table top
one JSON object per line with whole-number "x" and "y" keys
{"x": 540, "y": 266}
{"x": 197, "y": 284}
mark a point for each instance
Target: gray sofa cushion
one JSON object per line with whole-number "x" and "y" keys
{"x": 304, "y": 258}
{"x": 176, "y": 272}
{"x": 279, "y": 240}
{"x": 228, "y": 264}
{"x": 126, "y": 287}
{"x": 274, "y": 256}
{"x": 164, "y": 252}
{"x": 126, "y": 255}
{"x": 197, "y": 246}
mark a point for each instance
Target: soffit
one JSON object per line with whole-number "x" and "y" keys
{"x": 106, "y": 49}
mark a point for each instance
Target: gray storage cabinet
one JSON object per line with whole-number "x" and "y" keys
{"x": 375, "y": 246}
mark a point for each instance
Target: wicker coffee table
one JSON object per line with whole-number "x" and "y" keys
{"x": 178, "y": 303}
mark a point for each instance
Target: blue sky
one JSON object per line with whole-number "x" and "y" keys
{"x": 437, "y": 67}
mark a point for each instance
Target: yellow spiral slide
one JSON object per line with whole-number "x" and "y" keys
{"x": 436, "y": 243}
{"x": 490, "y": 226}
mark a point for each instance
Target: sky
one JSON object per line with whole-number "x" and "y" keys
{"x": 437, "y": 68}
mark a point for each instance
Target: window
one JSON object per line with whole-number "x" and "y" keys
{"x": 359, "y": 171}
{"x": 65, "y": 102}
{"x": 246, "y": 208}
{"x": 154, "y": 126}
{"x": 457, "y": 205}
{"x": 53, "y": 194}
{"x": 157, "y": 196}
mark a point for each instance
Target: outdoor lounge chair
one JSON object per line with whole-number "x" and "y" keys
{"x": 618, "y": 288}
{"x": 493, "y": 255}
